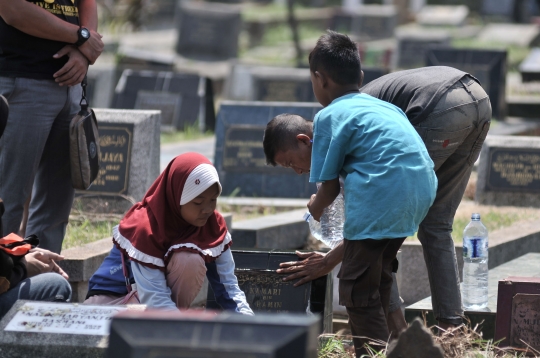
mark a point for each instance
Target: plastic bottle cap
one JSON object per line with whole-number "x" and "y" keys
{"x": 306, "y": 216}
{"x": 475, "y": 216}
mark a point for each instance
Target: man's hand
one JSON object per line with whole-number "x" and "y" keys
{"x": 311, "y": 267}
{"x": 73, "y": 72}
{"x": 42, "y": 261}
{"x": 93, "y": 47}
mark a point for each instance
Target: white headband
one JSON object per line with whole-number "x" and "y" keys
{"x": 200, "y": 179}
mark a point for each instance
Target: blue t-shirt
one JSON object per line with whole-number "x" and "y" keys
{"x": 389, "y": 179}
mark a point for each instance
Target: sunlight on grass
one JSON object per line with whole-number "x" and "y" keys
{"x": 83, "y": 231}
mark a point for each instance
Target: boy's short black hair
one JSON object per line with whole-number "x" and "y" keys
{"x": 337, "y": 55}
{"x": 280, "y": 134}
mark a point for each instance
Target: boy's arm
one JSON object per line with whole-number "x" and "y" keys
{"x": 314, "y": 265}
{"x": 327, "y": 193}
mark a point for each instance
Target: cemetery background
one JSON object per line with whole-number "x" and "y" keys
{"x": 143, "y": 36}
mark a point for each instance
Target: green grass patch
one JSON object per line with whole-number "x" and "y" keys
{"x": 84, "y": 230}
{"x": 190, "y": 132}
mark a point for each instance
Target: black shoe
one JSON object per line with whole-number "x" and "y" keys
{"x": 4, "y": 112}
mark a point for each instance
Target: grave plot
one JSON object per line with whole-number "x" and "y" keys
{"x": 366, "y": 22}
{"x": 413, "y": 44}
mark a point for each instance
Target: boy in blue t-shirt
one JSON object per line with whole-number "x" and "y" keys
{"x": 388, "y": 177}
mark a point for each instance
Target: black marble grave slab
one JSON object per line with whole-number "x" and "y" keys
{"x": 488, "y": 66}
{"x": 239, "y": 156}
{"x": 509, "y": 10}
{"x": 278, "y": 88}
{"x": 208, "y": 31}
{"x": 202, "y": 334}
{"x": 530, "y": 67}
{"x": 414, "y": 44}
{"x": 514, "y": 170}
{"x": 367, "y": 22}
{"x": 372, "y": 73}
{"x": 168, "y": 103}
{"x": 197, "y": 99}
{"x": 267, "y": 292}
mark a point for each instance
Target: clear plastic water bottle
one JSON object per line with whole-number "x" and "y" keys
{"x": 330, "y": 229}
{"x": 475, "y": 265}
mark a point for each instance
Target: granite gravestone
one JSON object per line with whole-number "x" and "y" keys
{"x": 129, "y": 142}
{"x": 413, "y": 44}
{"x": 52, "y": 330}
{"x": 208, "y": 31}
{"x": 518, "y": 307}
{"x": 188, "y": 97}
{"x": 509, "y": 171}
{"x": 367, "y": 22}
{"x": 530, "y": 67}
{"x": 202, "y": 334}
{"x": 239, "y": 157}
{"x": 292, "y": 85}
{"x": 266, "y": 291}
{"x": 488, "y": 66}
{"x": 442, "y": 15}
{"x": 372, "y": 73}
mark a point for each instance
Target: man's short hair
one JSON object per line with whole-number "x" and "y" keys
{"x": 280, "y": 134}
{"x": 337, "y": 55}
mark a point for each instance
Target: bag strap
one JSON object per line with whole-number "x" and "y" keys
{"x": 84, "y": 101}
{"x": 125, "y": 271}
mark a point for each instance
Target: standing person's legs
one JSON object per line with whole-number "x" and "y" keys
{"x": 364, "y": 287}
{"x": 52, "y": 194}
{"x": 453, "y": 135}
{"x": 34, "y": 106}
{"x": 185, "y": 277}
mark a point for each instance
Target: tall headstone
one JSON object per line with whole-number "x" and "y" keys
{"x": 208, "y": 31}
{"x": 239, "y": 156}
{"x": 52, "y": 330}
{"x": 266, "y": 292}
{"x": 183, "y": 98}
{"x": 488, "y": 66}
{"x": 367, "y": 22}
{"x": 206, "y": 335}
{"x": 413, "y": 45}
{"x": 129, "y": 143}
{"x": 509, "y": 171}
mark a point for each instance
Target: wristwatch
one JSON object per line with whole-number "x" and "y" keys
{"x": 83, "y": 34}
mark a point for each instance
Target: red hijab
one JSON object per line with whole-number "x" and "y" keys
{"x": 153, "y": 229}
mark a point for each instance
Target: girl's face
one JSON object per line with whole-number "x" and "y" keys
{"x": 198, "y": 210}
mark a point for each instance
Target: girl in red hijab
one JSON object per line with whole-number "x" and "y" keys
{"x": 172, "y": 238}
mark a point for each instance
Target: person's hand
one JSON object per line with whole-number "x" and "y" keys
{"x": 315, "y": 211}
{"x": 93, "y": 47}
{"x": 42, "y": 261}
{"x": 73, "y": 72}
{"x": 311, "y": 267}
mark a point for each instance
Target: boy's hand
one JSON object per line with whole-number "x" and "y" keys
{"x": 315, "y": 210}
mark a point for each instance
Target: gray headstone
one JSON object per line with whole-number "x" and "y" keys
{"x": 416, "y": 342}
{"x": 488, "y": 66}
{"x": 530, "y": 67}
{"x": 207, "y": 335}
{"x": 367, "y": 22}
{"x": 184, "y": 98}
{"x": 239, "y": 157}
{"x": 413, "y": 45}
{"x": 208, "y": 31}
{"x": 100, "y": 90}
{"x": 266, "y": 292}
{"x": 511, "y": 34}
{"x": 282, "y": 85}
{"x": 443, "y": 15}
{"x": 285, "y": 231}
{"x": 509, "y": 10}
{"x": 509, "y": 171}
{"x": 53, "y": 330}
{"x": 130, "y": 147}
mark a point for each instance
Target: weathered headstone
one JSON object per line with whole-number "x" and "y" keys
{"x": 367, "y": 22}
{"x": 282, "y": 85}
{"x": 208, "y": 31}
{"x": 266, "y": 291}
{"x": 530, "y": 67}
{"x": 511, "y": 34}
{"x": 52, "y": 330}
{"x": 509, "y": 171}
{"x": 488, "y": 66}
{"x": 239, "y": 157}
{"x": 188, "y": 97}
{"x": 518, "y": 307}
{"x": 442, "y": 15}
{"x": 413, "y": 45}
{"x": 129, "y": 144}
{"x": 285, "y": 231}
{"x": 206, "y": 335}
